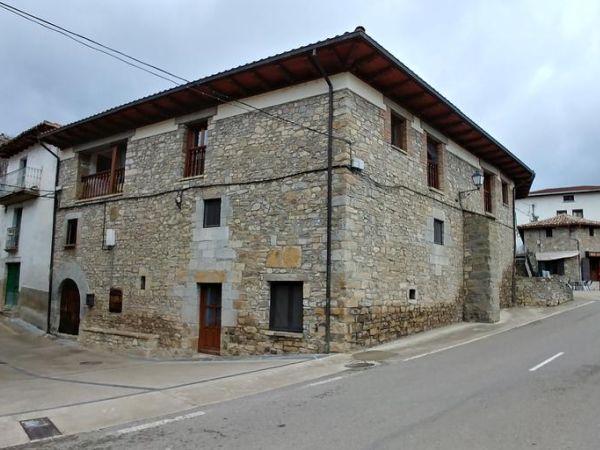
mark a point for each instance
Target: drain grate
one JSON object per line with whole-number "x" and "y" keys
{"x": 355, "y": 365}
{"x": 90, "y": 363}
{"x": 39, "y": 428}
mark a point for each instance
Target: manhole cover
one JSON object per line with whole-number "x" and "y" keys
{"x": 355, "y": 365}
{"x": 40, "y": 428}
{"x": 90, "y": 363}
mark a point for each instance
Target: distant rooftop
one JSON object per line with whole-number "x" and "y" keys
{"x": 564, "y": 190}
{"x": 560, "y": 220}
{"x": 12, "y": 146}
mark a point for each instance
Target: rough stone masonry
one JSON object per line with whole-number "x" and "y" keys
{"x": 389, "y": 277}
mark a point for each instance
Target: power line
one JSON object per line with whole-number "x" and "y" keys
{"x": 216, "y": 95}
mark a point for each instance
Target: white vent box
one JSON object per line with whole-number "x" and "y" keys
{"x": 358, "y": 164}
{"x": 110, "y": 237}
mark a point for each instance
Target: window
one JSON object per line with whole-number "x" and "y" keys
{"x": 505, "y": 192}
{"x": 433, "y": 168}
{"x": 591, "y": 231}
{"x": 548, "y": 232}
{"x": 103, "y": 171}
{"x": 568, "y": 198}
{"x": 115, "y": 301}
{"x": 438, "y": 232}
{"x": 71, "y": 239}
{"x": 412, "y": 294}
{"x": 212, "y": 213}
{"x": 13, "y": 233}
{"x": 578, "y": 213}
{"x": 560, "y": 212}
{"x": 398, "y": 125}
{"x": 143, "y": 282}
{"x": 195, "y": 153}
{"x": 556, "y": 267}
{"x": 488, "y": 179}
{"x": 286, "y": 306}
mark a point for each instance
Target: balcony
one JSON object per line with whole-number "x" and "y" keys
{"x": 20, "y": 185}
{"x": 102, "y": 183}
{"x": 12, "y": 239}
{"x": 433, "y": 178}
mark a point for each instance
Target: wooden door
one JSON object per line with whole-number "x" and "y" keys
{"x": 69, "y": 308}
{"x": 12, "y": 284}
{"x": 209, "y": 339}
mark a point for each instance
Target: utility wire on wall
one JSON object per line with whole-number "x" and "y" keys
{"x": 151, "y": 68}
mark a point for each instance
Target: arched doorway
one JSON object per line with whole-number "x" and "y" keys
{"x": 69, "y": 308}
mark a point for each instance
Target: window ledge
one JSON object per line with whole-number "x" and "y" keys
{"x": 490, "y": 215}
{"x": 400, "y": 149}
{"x": 288, "y": 334}
{"x": 436, "y": 190}
{"x": 70, "y": 246}
{"x": 99, "y": 198}
{"x": 195, "y": 177}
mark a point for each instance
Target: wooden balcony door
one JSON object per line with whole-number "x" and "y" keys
{"x": 209, "y": 339}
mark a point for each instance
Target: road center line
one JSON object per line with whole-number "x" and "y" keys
{"x": 328, "y": 380}
{"x": 158, "y": 423}
{"x": 549, "y": 360}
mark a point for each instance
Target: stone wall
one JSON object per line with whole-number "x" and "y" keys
{"x": 537, "y": 291}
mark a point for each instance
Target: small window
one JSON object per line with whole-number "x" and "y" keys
{"x": 505, "y": 192}
{"x": 591, "y": 231}
{"x": 115, "y": 301}
{"x": 398, "y": 125}
{"x": 568, "y": 198}
{"x": 561, "y": 212}
{"x": 212, "y": 213}
{"x": 578, "y": 213}
{"x": 412, "y": 294}
{"x": 438, "y": 232}
{"x": 143, "y": 282}
{"x": 71, "y": 239}
{"x": 548, "y": 232}
{"x": 286, "y": 306}
{"x": 197, "y": 139}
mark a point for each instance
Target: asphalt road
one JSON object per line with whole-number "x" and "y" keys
{"x": 482, "y": 395}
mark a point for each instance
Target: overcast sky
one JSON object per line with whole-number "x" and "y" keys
{"x": 528, "y": 72}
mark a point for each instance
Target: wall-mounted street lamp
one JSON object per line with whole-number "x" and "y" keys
{"x": 478, "y": 178}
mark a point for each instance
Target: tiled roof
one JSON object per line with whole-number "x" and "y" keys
{"x": 561, "y": 220}
{"x": 25, "y": 140}
{"x": 565, "y": 190}
{"x": 4, "y": 138}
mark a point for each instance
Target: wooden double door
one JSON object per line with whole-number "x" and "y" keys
{"x": 209, "y": 337}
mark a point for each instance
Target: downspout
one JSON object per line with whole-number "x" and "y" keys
{"x": 54, "y": 210}
{"x": 514, "y": 265}
{"x": 316, "y": 62}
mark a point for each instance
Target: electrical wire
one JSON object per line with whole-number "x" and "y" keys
{"x": 216, "y": 95}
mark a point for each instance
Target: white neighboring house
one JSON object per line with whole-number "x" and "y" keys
{"x": 27, "y": 187}
{"x": 578, "y": 201}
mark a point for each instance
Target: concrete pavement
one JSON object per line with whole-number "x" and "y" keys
{"x": 82, "y": 391}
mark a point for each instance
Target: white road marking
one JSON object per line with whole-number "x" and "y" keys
{"x": 158, "y": 423}
{"x": 495, "y": 332}
{"x": 328, "y": 380}
{"x": 543, "y": 363}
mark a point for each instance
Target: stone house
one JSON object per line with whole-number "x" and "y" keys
{"x": 204, "y": 220}
{"x": 564, "y": 245}
{"x": 27, "y": 187}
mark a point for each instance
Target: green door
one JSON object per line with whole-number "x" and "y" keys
{"x": 12, "y": 284}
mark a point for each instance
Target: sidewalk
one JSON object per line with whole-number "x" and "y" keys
{"x": 82, "y": 390}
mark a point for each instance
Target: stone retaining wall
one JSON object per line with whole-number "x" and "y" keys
{"x": 538, "y": 291}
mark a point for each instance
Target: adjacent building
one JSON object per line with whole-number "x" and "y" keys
{"x": 564, "y": 245}
{"x": 578, "y": 201}
{"x": 197, "y": 219}
{"x": 27, "y": 184}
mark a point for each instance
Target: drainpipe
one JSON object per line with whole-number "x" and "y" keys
{"x": 316, "y": 62}
{"x": 514, "y": 266}
{"x": 54, "y": 210}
